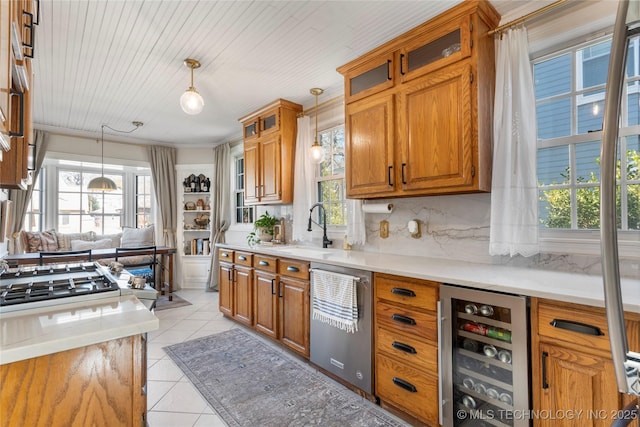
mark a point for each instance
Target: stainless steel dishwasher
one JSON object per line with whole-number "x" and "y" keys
{"x": 346, "y": 355}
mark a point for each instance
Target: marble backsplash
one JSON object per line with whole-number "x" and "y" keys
{"x": 452, "y": 227}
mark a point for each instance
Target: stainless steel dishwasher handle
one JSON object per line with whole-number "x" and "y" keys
{"x": 440, "y": 322}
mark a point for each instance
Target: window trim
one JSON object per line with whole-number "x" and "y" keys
{"x": 582, "y": 242}
{"x": 52, "y": 164}
{"x": 331, "y": 228}
{"x": 235, "y": 152}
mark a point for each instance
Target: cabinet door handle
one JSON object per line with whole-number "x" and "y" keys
{"x": 280, "y": 289}
{"x": 402, "y": 64}
{"x": 404, "y": 292}
{"x": 404, "y": 165}
{"x": 389, "y": 69}
{"x": 235, "y": 275}
{"x": 242, "y": 257}
{"x": 293, "y": 269}
{"x": 229, "y": 275}
{"x": 20, "y": 132}
{"x": 403, "y": 319}
{"x": 273, "y": 286}
{"x": 572, "y": 326}
{"x": 545, "y": 356}
{"x": 389, "y": 175}
{"x": 404, "y": 347}
{"x": 264, "y": 263}
{"x": 404, "y": 384}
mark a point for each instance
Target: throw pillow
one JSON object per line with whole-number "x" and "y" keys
{"x": 39, "y": 241}
{"x": 83, "y": 245}
{"x": 136, "y": 237}
{"x": 64, "y": 239}
{"x": 115, "y": 239}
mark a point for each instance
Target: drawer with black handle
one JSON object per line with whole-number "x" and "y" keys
{"x": 410, "y": 321}
{"x": 421, "y": 294}
{"x": 417, "y": 352}
{"x": 571, "y": 323}
{"x": 407, "y": 388}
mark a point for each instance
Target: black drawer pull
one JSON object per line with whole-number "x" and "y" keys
{"x": 545, "y": 356}
{"x": 404, "y": 384}
{"x": 292, "y": 268}
{"x": 403, "y": 292}
{"x": 242, "y": 258}
{"x": 265, "y": 263}
{"x": 572, "y": 326}
{"x": 404, "y": 347}
{"x": 403, "y": 319}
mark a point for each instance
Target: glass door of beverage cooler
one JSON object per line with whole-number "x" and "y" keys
{"x": 484, "y": 358}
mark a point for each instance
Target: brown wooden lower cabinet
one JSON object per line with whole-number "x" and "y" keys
{"x": 100, "y": 385}
{"x": 573, "y": 373}
{"x": 294, "y": 314}
{"x": 272, "y": 297}
{"x": 406, "y": 346}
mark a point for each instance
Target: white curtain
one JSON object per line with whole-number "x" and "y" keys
{"x": 514, "y": 193}
{"x": 303, "y": 185}
{"x": 356, "y": 231}
{"x": 163, "y": 172}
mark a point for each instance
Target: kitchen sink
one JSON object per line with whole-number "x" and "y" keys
{"x": 303, "y": 251}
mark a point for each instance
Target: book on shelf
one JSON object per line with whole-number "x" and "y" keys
{"x": 206, "y": 246}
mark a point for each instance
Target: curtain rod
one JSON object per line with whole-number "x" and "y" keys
{"x": 527, "y": 16}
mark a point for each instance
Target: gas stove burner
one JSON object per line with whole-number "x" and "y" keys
{"x": 41, "y": 270}
{"x": 53, "y": 282}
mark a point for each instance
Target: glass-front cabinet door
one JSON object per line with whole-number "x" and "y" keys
{"x": 449, "y": 44}
{"x": 270, "y": 122}
{"x": 371, "y": 77}
{"x": 250, "y": 129}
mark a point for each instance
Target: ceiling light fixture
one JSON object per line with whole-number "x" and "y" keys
{"x": 191, "y": 101}
{"x": 101, "y": 183}
{"x": 317, "y": 152}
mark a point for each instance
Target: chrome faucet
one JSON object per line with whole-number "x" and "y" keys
{"x": 325, "y": 240}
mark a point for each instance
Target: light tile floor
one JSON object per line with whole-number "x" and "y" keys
{"x": 172, "y": 400}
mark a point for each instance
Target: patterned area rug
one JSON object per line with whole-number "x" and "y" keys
{"x": 163, "y": 302}
{"x": 251, "y": 383}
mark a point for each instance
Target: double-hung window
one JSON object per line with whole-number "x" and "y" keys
{"x": 569, "y": 91}
{"x": 330, "y": 176}
{"x": 244, "y": 214}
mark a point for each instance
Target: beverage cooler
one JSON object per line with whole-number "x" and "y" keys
{"x": 484, "y": 354}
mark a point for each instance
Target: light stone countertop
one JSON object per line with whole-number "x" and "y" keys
{"x": 555, "y": 285}
{"x": 52, "y": 329}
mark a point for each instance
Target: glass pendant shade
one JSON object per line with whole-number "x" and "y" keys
{"x": 317, "y": 153}
{"x": 191, "y": 101}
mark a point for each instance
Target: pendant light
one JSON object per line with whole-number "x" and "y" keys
{"x": 101, "y": 183}
{"x": 191, "y": 101}
{"x": 317, "y": 152}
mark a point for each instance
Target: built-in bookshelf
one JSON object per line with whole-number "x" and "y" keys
{"x": 194, "y": 224}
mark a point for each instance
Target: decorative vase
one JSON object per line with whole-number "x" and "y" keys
{"x": 264, "y": 236}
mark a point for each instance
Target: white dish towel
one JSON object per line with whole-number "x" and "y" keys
{"x": 335, "y": 299}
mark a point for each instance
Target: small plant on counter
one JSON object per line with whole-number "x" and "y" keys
{"x": 263, "y": 229}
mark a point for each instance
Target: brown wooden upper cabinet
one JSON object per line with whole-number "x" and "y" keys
{"x": 269, "y": 152}
{"x": 16, "y": 81}
{"x": 419, "y": 109}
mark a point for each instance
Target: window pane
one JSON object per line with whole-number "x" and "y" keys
{"x": 588, "y": 207}
{"x": 633, "y": 105}
{"x": 555, "y": 208}
{"x": 590, "y": 113}
{"x": 633, "y": 207}
{"x": 553, "y": 165}
{"x": 552, "y": 77}
{"x": 554, "y": 118}
{"x": 588, "y": 162}
{"x": 633, "y": 158}
{"x": 595, "y": 64}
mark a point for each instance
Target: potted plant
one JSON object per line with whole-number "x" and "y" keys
{"x": 263, "y": 229}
